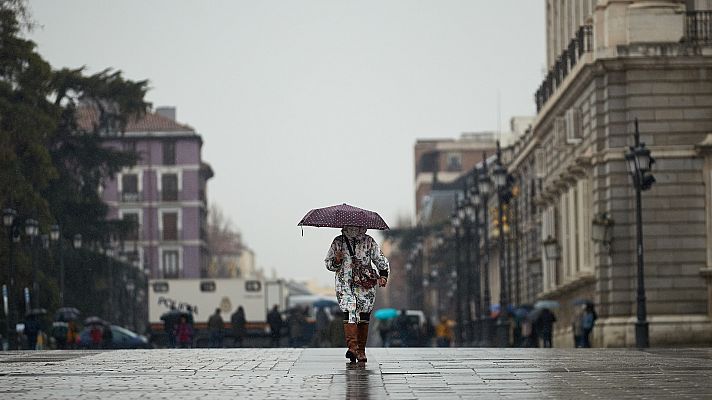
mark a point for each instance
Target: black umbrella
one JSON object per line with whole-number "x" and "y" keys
{"x": 37, "y": 311}
{"x": 67, "y": 314}
{"x": 94, "y": 321}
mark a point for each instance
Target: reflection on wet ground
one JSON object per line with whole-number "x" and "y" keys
{"x": 390, "y": 374}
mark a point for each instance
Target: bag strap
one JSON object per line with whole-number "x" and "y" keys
{"x": 348, "y": 244}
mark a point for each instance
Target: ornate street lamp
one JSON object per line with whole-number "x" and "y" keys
{"x": 551, "y": 248}
{"x": 77, "y": 241}
{"x": 602, "y": 229}
{"x": 9, "y": 216}
{"x": 456, "y": 225}
{"x": 484, "y": 185}
{"x": 639, "y": 164}
{"x": 55, "y": 236}
{"x": 32, "y": 229}
{"x": 501, "y": 183}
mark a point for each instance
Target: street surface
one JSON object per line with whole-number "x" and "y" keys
{"x": 393, "y": 373}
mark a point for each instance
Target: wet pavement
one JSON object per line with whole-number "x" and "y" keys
{"x": 389, "y": 374}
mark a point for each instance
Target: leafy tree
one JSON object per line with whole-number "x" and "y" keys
{"x": 52, "y": 168}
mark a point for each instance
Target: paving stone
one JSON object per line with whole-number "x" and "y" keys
{"x": 390, "y": 374}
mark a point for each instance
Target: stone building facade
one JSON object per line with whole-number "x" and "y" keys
{"x": 625, "y": 60}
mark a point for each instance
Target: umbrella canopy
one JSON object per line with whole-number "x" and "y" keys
{"x": 94, "y": 321}
{"x": 341, "y": 216}
{"x": 550, "y": 304}
{"x": 66, "y": 314}
{"x": 37, "y": 311}
{"x": 324, "y": 303}
{"x": 579, "y": 302}
{"x": 386, "y": 313}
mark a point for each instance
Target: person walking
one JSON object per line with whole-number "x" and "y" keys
{"x": 215, "y": 327}
{"x": 350, "y": 257}
{"x": 239, "y": 325}
{"x": 443, "y": 333}
{"x": 321, "y": 333}
{"x": 184, "y": 333}
{"x": 275, "y": 322}
{"x": 401, "y": 325}
{"x": 587, "y": 322}
{"x": 545, "y": 326}
{"x": 107, "y": 337}
{"x": 577, "y": 326}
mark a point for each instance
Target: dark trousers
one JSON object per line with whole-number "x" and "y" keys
{"x": 546, "y": 338}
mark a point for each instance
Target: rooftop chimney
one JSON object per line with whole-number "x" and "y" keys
{"x": 167, "y": 112}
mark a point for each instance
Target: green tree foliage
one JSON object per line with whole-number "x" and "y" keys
{"x": 52, "y": 168}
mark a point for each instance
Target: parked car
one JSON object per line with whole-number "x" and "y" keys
{"x": 122, "y": 338}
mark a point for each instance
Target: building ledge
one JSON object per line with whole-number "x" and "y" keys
{"x": 580, "y": 280}
{"x": 707, "y": 274}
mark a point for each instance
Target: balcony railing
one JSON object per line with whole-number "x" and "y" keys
{"x": 582, "y": 43}
{"x": 698, "y": 27}
{"x": 130, "y": 197}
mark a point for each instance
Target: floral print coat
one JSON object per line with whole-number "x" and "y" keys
{"x": 355, "y": 299}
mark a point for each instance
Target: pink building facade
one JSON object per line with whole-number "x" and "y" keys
{"x": 165, "y": 194}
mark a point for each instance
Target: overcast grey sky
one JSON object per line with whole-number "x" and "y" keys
{"x": 305, "y": 104}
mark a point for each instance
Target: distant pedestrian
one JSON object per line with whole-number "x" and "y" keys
{"x": 107, "y": 337}
{"x": 577, "y": 326}
{"x": 95, "y": 336}
{"x": 295, "y": 324}
{"x": 32, "y": 329}
{"x": 239, "y": 326}
{"x": 384, "y": 331}
{"x": 545, "y": 326}
{"x": 275, "y": 322}
{"x": 170, "y": 320}
{"x": 215, "y": 328}
{"x": 72, "y": 335}
{"x": 184, "y": 333}
{"x": 443, "y": 333}
{"x": 59, "y": 333}
{"x": 588, "y": 321}
{"x": 401, "y": 326}
{"x": 427, "y": 332}
{"x": 336, "y": 331}
{"x": 321, "y": 328}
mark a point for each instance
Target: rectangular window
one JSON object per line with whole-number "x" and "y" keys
{"x": 132, "y": 219}
{"x": 170, "y": 226}
{"x": 169, "y": 187}
{"x": 129, "y": 187}
{"x": 129, "y": 146}
{"x": 169, "y": 153}
{"x": 453, "y": 162}
{"x": 171, "y": 264}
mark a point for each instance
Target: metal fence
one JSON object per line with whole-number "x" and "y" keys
{"x": 580, "y": 44}
{"x": 698, "y": 27}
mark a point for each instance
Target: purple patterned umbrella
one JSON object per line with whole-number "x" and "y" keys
{"x": 343, "y": 215}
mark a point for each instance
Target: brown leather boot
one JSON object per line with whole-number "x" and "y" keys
{"x": 351, "y": 336}
{"x": 362, "y": 339}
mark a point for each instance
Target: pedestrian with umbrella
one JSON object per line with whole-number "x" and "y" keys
{"x": 350, "y": 257}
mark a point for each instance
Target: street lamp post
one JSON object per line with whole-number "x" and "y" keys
{"x": 32, "y": 230}
{"x": 639, "y": 164}
{"x": 109, "y": 253}
{"x": 458, "y": 271}
{"x": 55, "y": 234}
{"x": 9, "y": 217}
{"x": 476, "y": 288}
{"x": 485, "y": 188}
{"x": 500, "y": 178}
{"x": 465, "y": 211}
